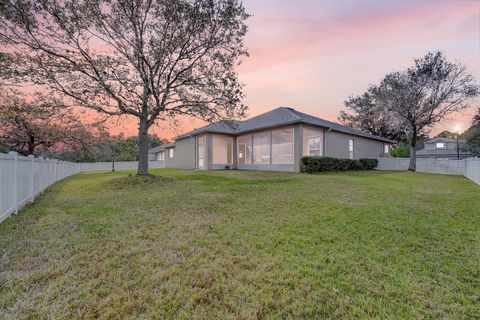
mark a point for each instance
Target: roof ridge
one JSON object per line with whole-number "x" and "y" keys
{"x": 291, "y": 111}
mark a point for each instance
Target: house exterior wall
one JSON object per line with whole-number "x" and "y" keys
{"x": 169, "y": 162}
{"x": 448, "y": 145}
{"x": 336, "y": 145}
{"x": 183, "y": 155}
{"x": 332, "y": 144}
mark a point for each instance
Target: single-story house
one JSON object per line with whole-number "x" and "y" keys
{"x": 275, "y": 140}
{"x": 443, "y": 148}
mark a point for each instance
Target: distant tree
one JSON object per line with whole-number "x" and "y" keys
{"x": 364, "y": 112}
{"x": 472, "y": 136}
{"x": 424, "y": 94}
{"x": 118, "y": 148}
{"x": 148, "y": 59}
{"x": 41, "y": 125}
{"x": 447, "y": 134}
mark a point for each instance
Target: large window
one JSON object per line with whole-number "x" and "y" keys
{"x": 161, "y": 156}
{"x": 386, "y": 149}
{"x": 261, "y": 148}
{"x": 170, "y": 154}
{"x": 202, "y": 152}
{"x": 440, "y": 145}
{"x": 222, "y": 149}
{"x": 350, "y": 149}
{"x": 282, "y": 146}
{"x": 314, "y": 146}
{"x": 244, "y": 145}
{"x": 312, "y": 142}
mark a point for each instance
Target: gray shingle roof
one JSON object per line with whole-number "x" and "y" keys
{"x": 443, "y": 139}
{"x": 161, "y": 147}
{"x": 274, "y": 118}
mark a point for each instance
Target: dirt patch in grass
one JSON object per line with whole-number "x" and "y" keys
{"x": 136, "y": 181}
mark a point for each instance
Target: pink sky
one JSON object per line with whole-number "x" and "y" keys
{"x": 312, "y": 55}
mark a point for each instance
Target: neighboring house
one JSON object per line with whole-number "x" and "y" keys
{"x": 275, "y": 140}
{"x": 158, "y": 153}
{"x": 442, "y": 148}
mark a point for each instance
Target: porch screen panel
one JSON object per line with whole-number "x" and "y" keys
{"x": 244, "y": 145}
{"x": 222, "y": 149}
{"x": 261, "y": 148}
{"x": 282, "y": 146}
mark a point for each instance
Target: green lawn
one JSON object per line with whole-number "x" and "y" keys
{"x": 245, "y": 245}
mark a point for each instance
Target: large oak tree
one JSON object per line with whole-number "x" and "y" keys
{"x": 150, "y": 59}
{"x": 416, "y": 99}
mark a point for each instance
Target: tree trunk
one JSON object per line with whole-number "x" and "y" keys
{"x": 413, "y": 159}
{"x": 143, "y": 147}
{"x": 413, "y": 152}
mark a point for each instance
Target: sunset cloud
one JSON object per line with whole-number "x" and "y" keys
{"x": 313, "y": 55}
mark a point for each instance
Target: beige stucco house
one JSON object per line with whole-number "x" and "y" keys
{"x": 275, "y": 140}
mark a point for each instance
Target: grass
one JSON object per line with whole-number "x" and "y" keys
{"x": 245, "y": 245}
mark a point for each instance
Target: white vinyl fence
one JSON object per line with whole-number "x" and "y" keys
{"x": 469, "y": 168}
{"x": 23, "y": 178}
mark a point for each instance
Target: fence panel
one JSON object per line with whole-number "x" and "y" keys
{"x": 472, "y": 170}
{"x": 469, "y": 168}
{"x": 442, "y": 166}
{"x": 23, "y": 178}
{"x": 397, "y": 164}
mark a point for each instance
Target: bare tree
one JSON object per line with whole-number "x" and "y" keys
{"x": 364, "y": 112}
{"x": 425, "y": 94}
{"x": 42, "y": 125}
{"x": 153, "y": 60}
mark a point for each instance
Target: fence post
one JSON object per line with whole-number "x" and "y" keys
{"x": 15, "y": 178}
{"x": 56, "y": 170}
{"x": 32, "y": 173}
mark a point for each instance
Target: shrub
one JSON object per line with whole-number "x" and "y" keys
{"x": 401, "y": 151}
{"x": 321, "y": 164}
{"x": 368, "y": 163}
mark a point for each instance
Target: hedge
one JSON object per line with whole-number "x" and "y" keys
{"x": 320, "y": 164}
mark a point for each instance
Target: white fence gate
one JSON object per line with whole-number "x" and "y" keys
{"x": 469, "y": 168}
{"x": 23, "y": 178}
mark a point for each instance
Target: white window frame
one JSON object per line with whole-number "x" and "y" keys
{"x": 386, "y": 149}
{"x": 170, "y": 153}
{"x": 319, "y": 149}
{"x": 351, "y": 149}
{"x": 440, "y": 143}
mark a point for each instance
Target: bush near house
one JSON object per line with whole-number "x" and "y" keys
{"x": 321, "y": 164}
